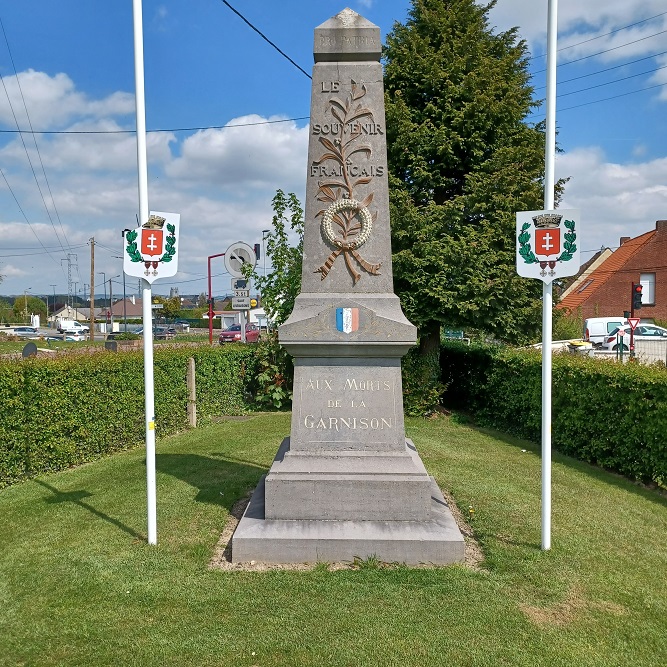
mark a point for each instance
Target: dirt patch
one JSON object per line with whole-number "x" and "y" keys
{"x": 563, "y": 613}
{"x": 222, "y": 555}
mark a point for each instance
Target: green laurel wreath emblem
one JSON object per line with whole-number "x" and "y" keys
{"x": 131, "y": 248}
{"x": 524, "y": 245}
{"x": 169, "y": 245}
{"x": 569, "y": 245}
{"x": 169, "y": 248}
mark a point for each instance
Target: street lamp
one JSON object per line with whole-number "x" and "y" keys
{"x": 25, "y": 305}
{"x": 104, "y": 306}
{"x": 54, "y": 305}
{"x": 124, "y": 297}
{"x": 111, "y": 301}
{"x": 265, "y": 233}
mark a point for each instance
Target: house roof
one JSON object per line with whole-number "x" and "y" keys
{"x": 585, "y": 270}
{"x": 133, "y": 307}
{"x": 598, "y": 277}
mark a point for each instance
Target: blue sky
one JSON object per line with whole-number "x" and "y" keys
{"x": 205, "y": 68}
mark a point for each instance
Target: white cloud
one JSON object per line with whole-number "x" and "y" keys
{"x": 587, "y": 20}
{"x": 660, "y": 76}
{"x": 10, "y": 271}
{"x": 54, "y": 100}
{"x": 88, "y": 151}
{"x": 615, "y": 199}
{"x": 257, "y": 155}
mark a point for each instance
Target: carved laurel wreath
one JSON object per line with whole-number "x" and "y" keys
{"x": 350, "y": 218}
{"x": 347, "y": 205}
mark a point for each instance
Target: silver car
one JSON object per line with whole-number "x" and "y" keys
{"x": 621, "y": 336}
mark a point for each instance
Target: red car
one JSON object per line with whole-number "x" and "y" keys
{"x": 233, "y": 334}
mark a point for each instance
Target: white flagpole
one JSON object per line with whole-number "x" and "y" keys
{"x": 146, "y": 287}
{"x": 547, "y": 290}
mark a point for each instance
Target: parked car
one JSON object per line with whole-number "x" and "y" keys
{"x": 26, "y": 332}
{"x": 123, "y": 335}
{"x": 164, "y": 333}
{"x": 598, "y": 329}
{"x": 75, "y": 337}
{"x": 642, "y": 332}
{"x": 233, "y": 334}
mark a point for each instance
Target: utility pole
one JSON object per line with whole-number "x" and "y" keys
{"x": 75, "y": 304}
{"x": 92, "y": 289}
{"x": 54, "y": 306}
{"x": 69, "y": 275}
{"x": 110, "y": 306}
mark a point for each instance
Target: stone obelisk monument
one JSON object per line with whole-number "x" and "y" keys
{"x": 347, "y": 483}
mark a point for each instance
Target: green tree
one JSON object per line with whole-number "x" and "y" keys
{"x": 462, "y": 160}
{"x": 5, "y": 311}
{"x": 171, "y": 307}
{"x": 27, "y": 305}
{"x": 282, "y": 285}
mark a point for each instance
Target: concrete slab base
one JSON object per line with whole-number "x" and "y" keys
{"x": 435, "y": 541}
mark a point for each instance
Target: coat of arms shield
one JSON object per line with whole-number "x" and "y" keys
{"x": 547, "y": 244}
{"x": 151, "y": 250}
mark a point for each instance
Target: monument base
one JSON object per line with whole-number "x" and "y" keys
{"x": 436, "y": 541}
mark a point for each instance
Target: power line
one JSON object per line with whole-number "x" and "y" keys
{"x": 264, "y": 37}
{"x": 175, "y": 129}
{"x": 26, "y": 217}
{"x": 605, "y": 99}
{"x": 18, "y": 83}
{"x": 609, "y": 83}
{"x": 606, "y": 34}
{"x": 607, "y": 69}
{"x": 599, "y": 53}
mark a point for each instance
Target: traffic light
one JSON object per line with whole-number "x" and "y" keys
{"x": 257, "y": 248}
{"x": 636, "y": 296}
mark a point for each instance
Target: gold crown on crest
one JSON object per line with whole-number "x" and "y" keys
{"x": 154, "y": 222}
{"x": 547, "y": 220}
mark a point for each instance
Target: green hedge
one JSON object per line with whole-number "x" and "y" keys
{"x": 609, "y": 414}
{"x": 65, "y": 411}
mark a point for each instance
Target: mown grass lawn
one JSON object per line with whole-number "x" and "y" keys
{"x": 80, "y": 586}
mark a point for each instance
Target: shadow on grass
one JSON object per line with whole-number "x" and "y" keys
{"x": 601, "y": 474}
{"x": 220, "y": 481}
{"x": 76, "y": 497}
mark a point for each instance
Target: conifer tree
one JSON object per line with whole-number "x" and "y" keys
{"x": 462, "y": 160}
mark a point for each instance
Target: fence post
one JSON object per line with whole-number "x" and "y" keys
{"x": 192, "y": 393}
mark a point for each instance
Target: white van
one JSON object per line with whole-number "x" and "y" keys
{"x": 596, "y": 329}
{"x": 71, "y": 326}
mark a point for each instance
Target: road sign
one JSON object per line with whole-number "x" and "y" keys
{"x": 633, "y": 322}
{"x": 240, "y": 303}
{"x": 157, "y": 306}
{"x": 237, "y": 256}
{"x": 241, "y": 293}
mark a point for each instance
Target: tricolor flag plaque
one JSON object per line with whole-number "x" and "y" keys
{"x": 547, "y": 244}
{"x": 347, "y": 319}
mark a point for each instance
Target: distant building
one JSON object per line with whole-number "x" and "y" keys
{"x": 606, "y": 290}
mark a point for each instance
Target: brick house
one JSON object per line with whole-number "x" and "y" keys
{"x": 606, "y": 290}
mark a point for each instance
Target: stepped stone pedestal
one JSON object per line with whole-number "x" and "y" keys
{"x": 347, "y": 483}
